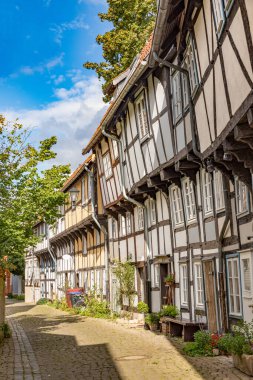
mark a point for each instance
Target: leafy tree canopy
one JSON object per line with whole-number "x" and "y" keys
{"x": 27, "y": 195}
{"x": 133, "y": 22}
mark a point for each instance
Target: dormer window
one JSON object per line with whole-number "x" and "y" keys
{"x": 142, "y": 116}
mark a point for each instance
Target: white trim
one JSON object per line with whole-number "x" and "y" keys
{"x": 140, "y": 218}
{"x": 198, "y": 282}
{"x": 218, "y": 190}
{"x": 219, "y": 16}
{"x": 107, "y": 165}
{"x": 234, "y": 286}
{"x": 207, "y": 192}
{"x": 189, "y": 199}
{"x": 242, "y": 197}
{"x": 184, "y": 284}
{"x": 176, "y": 204}
{"x": 142, "y": 116}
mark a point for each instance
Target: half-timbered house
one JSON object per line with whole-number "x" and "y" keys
{"x": 79, "y": 236}
{"x": 174, "y": 161}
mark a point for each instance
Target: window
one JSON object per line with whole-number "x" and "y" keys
{"x": 114, "y": 228}
{"x": 98, "y": 284}
{"x": 128, "y": 223}
{"x": 184, "y": 284}
{"x": 207, "y": 192}
{"x": 142, "y": 117}
{"x": 241, "y": 194}
{"x": 219, "y": 17}
{"x": 190, "y": 206}
{"x": 83, "y": 191}
{"x": 107, "y": 165}
{"x": 88, "y": 188}
{"x": 191, "y": 65}
{"x": 122, "y": 225}
{"x": 228, "y": 5}
{"x": 185, "y": 89}
{"x": 219, "y": 191}
{"x": 115, "y": 149}
{"x": 140, "y": 218}
{"x": 98, "y": 241}
{"x": 84, "y": 244}
{"x": 176, "y": 96}
{"x": 246, "y": 273}
{"x": 234, "y": 286}
{"x": 199, "y": 291}
{"x": 177, "y": 205}
{"x": 156, "y": 275}
{"x": 152, "y": 212}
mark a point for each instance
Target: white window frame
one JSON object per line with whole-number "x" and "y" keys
{"x": 191, "y": 64}
{"x": 140, "y": 218}
{"x": 156, "y": 275}
{"x": 218, "y": 190}
{"x": 114, "y": 223}
{"x": 142, "y": 116}
{"x": 107, "y": 165}
{"x": 88, "y": 188}
{"x": 233, "y": 283}
{"x": 176, "y": 96}
{"x": 115, "y": 149}
{"x": 177, "y": 206}
{"x": 219, "y": 15}
{"x": 199, "y": 288}
{"x": 228, "y": 5}
{"x": 185, "y": 93}
{"x": 184, "y": 284}
{"x": 207, "y": 192}
{"x": 189, "y": 200}
{"x": 128, "y": 223}
{"x": 122, "y": 225}
{"x": 98, "y": 238}
{"x": 84, "y": 244}
{"x": 152, "y": 211}
{"x": 247, "y": 292}
{"x": 242, "y": 197}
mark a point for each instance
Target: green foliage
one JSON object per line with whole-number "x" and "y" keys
{"x": 142, "y": 307}
{"x": 133, "y": 21}
{"x": 95, "y": 308}
{"x": 6, "y": 330}
{"x": 203, "y": 339}
{"x": 202, "y": 345}
{"x": 170, "y": 311}
{"x": 170, "y": 278}
{"x": 224, "y": 343}
{"x": 125, "y": 273}
{"x": 42, "y": 301}
{"x": 27, "y": 194}
{"x": 10, "y": 295}
{"x": 245, "y": 329}
{"x": 152, "y": 318}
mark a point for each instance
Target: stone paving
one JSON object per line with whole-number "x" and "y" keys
{"x": 51, "y": 344}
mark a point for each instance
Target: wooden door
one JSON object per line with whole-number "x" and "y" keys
{"x": 210, "y": 286}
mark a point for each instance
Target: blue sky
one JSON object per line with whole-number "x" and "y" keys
{"x": 43, "y": 45}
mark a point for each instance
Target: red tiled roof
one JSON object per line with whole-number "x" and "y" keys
{"x": 144, "y": 53}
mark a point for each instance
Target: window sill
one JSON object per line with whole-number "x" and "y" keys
{"x": 237, "y": 316}
{"x": 178, "y": 226}
{"x": 191, "y": 222}
{"x": 109, "y": 177}
{"x": 144, "y": 138}
{"x": 241, "y": 214}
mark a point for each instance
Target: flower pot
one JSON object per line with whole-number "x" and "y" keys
{"x": 153, "y": 327}
{"x": 244, "y": 363}
{"x": 216, "y": 352}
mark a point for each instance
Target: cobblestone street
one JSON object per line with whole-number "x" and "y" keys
{"x": 51, "y": 344}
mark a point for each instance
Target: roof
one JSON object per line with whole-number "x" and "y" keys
{"x": 77, "y": 172}
{"x": 115, "y": 103}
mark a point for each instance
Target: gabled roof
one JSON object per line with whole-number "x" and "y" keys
{"x": 77, "y": 172}
{"x": 138, "y": 67}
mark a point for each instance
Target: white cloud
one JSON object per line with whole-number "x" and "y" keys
{"x": 59, "y": 29}
{"x": 40, "y": 68}
{"x": 72, "y": 118}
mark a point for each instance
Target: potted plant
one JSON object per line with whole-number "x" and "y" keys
{"x": 142, "y": 310}
{"x": 152, "y": 320}
{"x": 240, "y": 345}
{"x": 169, "y": 279}
{"x": 169, "y": 311}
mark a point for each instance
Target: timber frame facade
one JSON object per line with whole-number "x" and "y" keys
{"x": 173, "y": 163}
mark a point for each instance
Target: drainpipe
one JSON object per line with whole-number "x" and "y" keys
{"x": 54, "y": 260}
{"x": 185, "y": 72}
{"x": 101, "y": 228}
{"x": 131, "y": 200}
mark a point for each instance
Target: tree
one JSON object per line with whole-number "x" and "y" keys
{"x": 133, "y": 22}
{"x": 26, "y": 195}
{"x": 125, "y": 273}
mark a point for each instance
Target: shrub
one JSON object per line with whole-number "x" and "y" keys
{"x": 42, "y": 301}
{"x": 202, "y": 345}
{"x": 170, "y": 311}
{"x": 170, "y": 278}
{"x": 142, "y": 307}
{"x": 239, "y": 345}
{"x": 10, "y": 295}
{"x": 203, "y": 339}
{"x": 224, "y": 343}
{"x": 6, "y": 330}
{"x": 20, "y": 297}
{"x": 95, "y": 308}
{"x": 152, "y": 318}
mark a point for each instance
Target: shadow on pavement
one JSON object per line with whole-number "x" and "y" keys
{"x": 14, "y": 307}
{"x": 61, "y": 356}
